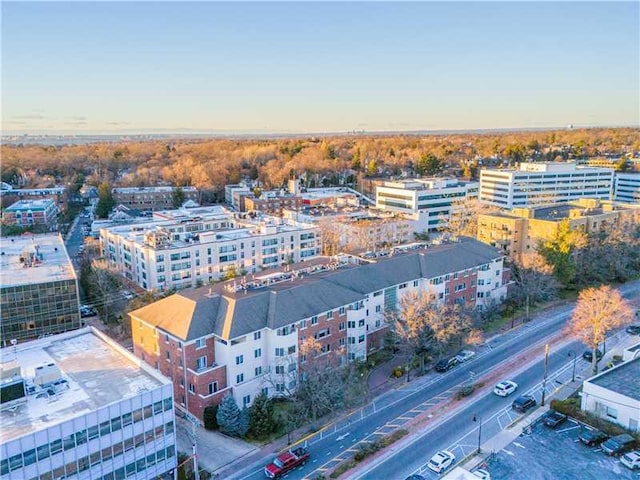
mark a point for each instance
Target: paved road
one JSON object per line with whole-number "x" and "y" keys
{"x": 459, "y": 434}
{"x": 398, "y": 407}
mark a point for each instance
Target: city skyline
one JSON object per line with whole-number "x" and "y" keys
{"x": 102, "y": 68}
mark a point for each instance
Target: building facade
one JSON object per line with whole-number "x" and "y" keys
{"x": 29, "y": 213}
{"x": 272, "y": 204}
{"x": 151, "y": 198}
{"x": 204, "y": 244}
{"x": 64, "y": 416}
{"x": 38, "y": 288}
{"x": 544, "y": 183}
{"x": 243, "y": 338}
{"x": 428, "y": 202}
{"x": 57, "y": 194}
{"x": 520, "y": 230}
{"x": 627, "y": 187}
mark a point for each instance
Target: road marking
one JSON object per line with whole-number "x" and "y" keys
{"x": 342, "y": 437}
{"x": 567, "y": 429}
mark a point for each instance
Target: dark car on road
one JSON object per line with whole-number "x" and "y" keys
{"x": 553, "y": 419}
{"x": 588, "y": 355}
{"x": 618, "y": 445}
{"x": 446, "y": 363}
{"x": 633, "y": 329}
{"x": 592, "y": 437}
{"x": 415, "y": 477}
{"x": 524, "y": 403}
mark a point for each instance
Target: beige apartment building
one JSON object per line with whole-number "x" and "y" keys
{"x": 520, "y": 230}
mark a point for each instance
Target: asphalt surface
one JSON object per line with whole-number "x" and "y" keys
{"x": 394, "y": 409}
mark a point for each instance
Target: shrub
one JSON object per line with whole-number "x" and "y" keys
{"x": 397, "y": 372}
{"x": 343, "y": 467}
{"x": 209, "y": 417}
{"x": 465, "y": 391}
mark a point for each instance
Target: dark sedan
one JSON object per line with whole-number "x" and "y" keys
{"x": 553, "y": 419}
{"x": 592, "y": 437}
{"x": 588, "y": 355}
{"x": 633, "y": 329}
{"x": 523, "y": 403}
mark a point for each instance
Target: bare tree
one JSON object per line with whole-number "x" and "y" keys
{"x": 534, "y": 280}
{"x": 598, "y": 311}
{"x": 463, "y": 218}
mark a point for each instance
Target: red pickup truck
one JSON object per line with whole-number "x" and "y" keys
{"x": 286, "y": 462}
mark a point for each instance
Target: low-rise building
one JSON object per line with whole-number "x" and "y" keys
{"x": 428, "y": 202}
{"x": 627, "y": 187}
{"x": 78, "y": 405}
{"x": 29, "y": 213}
{"x": 38, "y": 288}
{"x": 249, "y": 336}
{"x": 189, "y": 247}
{"x": 57, "y": 194}
{"x": 520, "y": 230}
{"x": 271, "y": 203}
{"x": 152, "y": 198}
{"x": 543, "y": 183}
{"x": 615, "y": 394}
{"x": 234, "y": 193}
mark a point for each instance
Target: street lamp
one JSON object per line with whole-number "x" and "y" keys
{"x": 544, "y": 380}
{"x": 478, "y": 418}
{"x": 573, "y": 372}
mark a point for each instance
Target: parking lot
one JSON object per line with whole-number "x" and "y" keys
{"x": 556, "y": 454}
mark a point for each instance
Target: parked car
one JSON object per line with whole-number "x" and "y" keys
{"x": 631, "y": 460}
{"x": 588, "y": 355}
{"x": 128, "y": 295}
{"x": 618, "y": 445}
{"x": 553, "y": 419}
{"x": 415, "y": 477}
{"x": 482, "y": 473}
{"x": 524, "y": 403}
{"x": 87, "y": 311}
{"x": 505, "y": 388}
{"x": 446, "y": 363}
{"x": 633, "y": 329}
{"x": 441, "y": 461}
{"x": 465, "y": 355}
{"x": 592, "y": 437}
{"x": 286, "y": 462}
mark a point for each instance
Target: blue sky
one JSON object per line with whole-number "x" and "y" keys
{"x": 317, "y": 67}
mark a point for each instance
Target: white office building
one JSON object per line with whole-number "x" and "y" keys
{"x": 191, "y": 247}
{"x": 542, "y": 183}
{"x": 627, "y": 187}
{"x": 77, "y": 405}
{"x": 428, "y": 202}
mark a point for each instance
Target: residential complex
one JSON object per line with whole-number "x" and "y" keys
{"x": 151, "y": 198}
{"x": 520, "y": 230}
{"x": 38, "y": 288}
{"x": 250, "y": 336}
{"x": 77, "y": 405}
{"x": 271, "y": 203}
{"x": 543, "y": 183}
{"x": 428, "y": 202}
{"x": 614, "y": 394}
{"x": 627, "y": 187}
{"x": 28, "y": 213}
{"x": 9, "y": 195}
{"x": 189, "y": 247}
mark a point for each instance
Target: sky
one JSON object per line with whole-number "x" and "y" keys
{"x": 303, "y": 67}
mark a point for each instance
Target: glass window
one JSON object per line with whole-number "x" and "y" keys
{"x": 116, "y": 424}
{"x": 30, "y": 456}
{"x": 81, "y": 437}
{"x": 56, "y": 446}
{"x": 106, "y": 454}
{"x": 137, "y": 415}
{"x": 127, "y": 419}
{"x": 93, "y": 432}
{"x": 167, "y": 404}
{"x": 105, "y": 428}
{"x": 157, "y": 408}
{"x": 148, "y": 412}
{"x": 43, "y": 451}
{"x": 69, "y": 442}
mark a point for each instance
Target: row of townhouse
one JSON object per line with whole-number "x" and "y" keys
{"x": 239, "y": 340}
{"x": 152, "y": 198}
{"x": 189, "y": 252}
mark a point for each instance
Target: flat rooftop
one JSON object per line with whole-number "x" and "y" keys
{"x": 89, "y": 362}
{"x": 622, "y": 379}
{"x": 165, "y": 189}
{"x": 40, "y": 204}
{"x": 52, "y": 265}
{"x": 192, "y": 213}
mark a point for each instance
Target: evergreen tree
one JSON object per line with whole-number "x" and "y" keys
{"x": 177, "y": 197}
{"x": 428, "y": 164}
{"x": 261, "y": 421}
{"x": 209, "y": 417}
{"x": 243, "y": 422}
{"x": 356, "y": 163}
{"x": 105, "y": 201}
{"x": 372, "y": 168}
{"x": 228, "y": 416}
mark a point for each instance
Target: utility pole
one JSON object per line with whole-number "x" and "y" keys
{"x": 544, "y": 380}
{"x": 479, "y": 418}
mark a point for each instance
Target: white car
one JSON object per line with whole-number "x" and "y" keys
{"x": 465, "y": 355}
{"x": 441, "y": 461}
{"x": 631, "y": 460}
{"x": 128, "y": 295}
{"x": 483, "y": 474}
{"x": 505, "y": 388}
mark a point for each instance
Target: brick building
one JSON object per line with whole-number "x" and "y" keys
{"x": 151, "y": 198}
{"x": 28, "y": 213}
{"x": 244, "y": 338}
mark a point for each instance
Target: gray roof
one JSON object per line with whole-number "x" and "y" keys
{"x": 622, "y": 379}
{"x": 195, "y": 313}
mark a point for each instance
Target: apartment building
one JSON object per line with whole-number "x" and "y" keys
{"x": 271, "y": 203}
{"x": 38, "y": 288}
{"x": 520, "y": 230}
{"x": 78, "y": 405}
{"x": 234, "y": 195}
{"x": 627, "y": 187}
{"x": 29, "y": 213}
{"x": 9, "y": 195}
{"x": 544, "y": 183}
{"x": 151, "y": 198}
{"x": 246, "y": 337}
{"x": 196, "y": 246}
{"x": 428, "y": 202}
